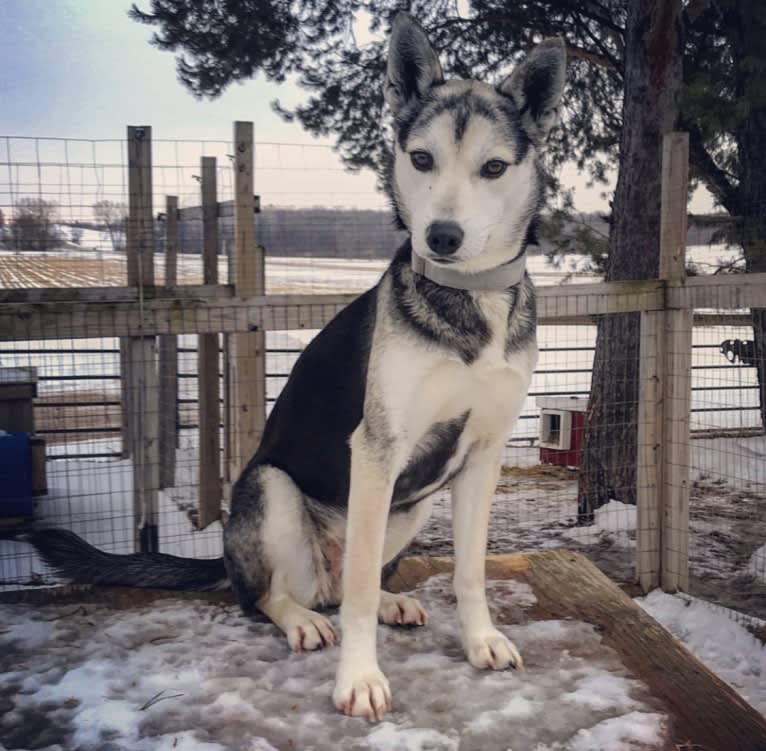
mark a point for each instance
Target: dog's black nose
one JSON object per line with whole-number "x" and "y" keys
{"x": 444, "y": 238}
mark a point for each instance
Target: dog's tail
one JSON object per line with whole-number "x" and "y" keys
{"x": 81, "y": 563}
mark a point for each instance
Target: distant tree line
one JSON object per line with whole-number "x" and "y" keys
{"x": 370, "y": 233}
{"x": 36, "y": 225}
{"x": 318, "y": 232}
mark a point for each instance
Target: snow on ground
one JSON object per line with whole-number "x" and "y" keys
{"x": 714, "y": 636}
{"x": 192, "y": 676}
{"x": 614, "y": 519}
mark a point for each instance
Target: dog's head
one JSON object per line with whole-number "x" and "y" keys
{"x": 466, "y": 179}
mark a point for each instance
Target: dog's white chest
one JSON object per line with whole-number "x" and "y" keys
{"x": 423, "y": 385}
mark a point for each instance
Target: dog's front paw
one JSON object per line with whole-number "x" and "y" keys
{"x": 492, "y": 650}
{"x": 363, "y": 694}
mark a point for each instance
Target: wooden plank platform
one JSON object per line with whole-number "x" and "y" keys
{"x": 707, "y": 714}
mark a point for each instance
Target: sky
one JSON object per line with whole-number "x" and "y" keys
{"x": 83, "y": 69}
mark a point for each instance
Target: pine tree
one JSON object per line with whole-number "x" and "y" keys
{"x": 722, "y": 105}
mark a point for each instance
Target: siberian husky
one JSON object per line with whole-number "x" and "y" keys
{"x": 416, "y": 384}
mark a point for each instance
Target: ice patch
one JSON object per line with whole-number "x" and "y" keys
{"x": 388, "y": 737}
{"x": 600, "y": 692}
{"x": 28, "y": 633}
{"x": 621, "y": 733}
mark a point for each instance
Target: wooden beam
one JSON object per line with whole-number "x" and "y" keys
{"x": 673, "y": 217}
{"x": 107, "y": 312}
{"x": 721, "y": 292}
{"x": 169, "y": 357}
{"x": 126, "y": 439}
{"x": 676, "y": 397}
{"x": 649, "y": 471}
{"x": 48, "y": 295}
{"x": 140, "y": 223}
{"x": 142, "y": 376}
{"x": 576, "y": 300}
{"x": 247, "y": 352}
{"x": 202, "y": 309}
{"x": 208, "y": 403}
{"x": 556, "y": 304}
{"x": 186, "y": 315}
{"x": 675, "y": 373}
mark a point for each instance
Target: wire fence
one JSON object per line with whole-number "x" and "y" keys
{"x": 332, "y": 239}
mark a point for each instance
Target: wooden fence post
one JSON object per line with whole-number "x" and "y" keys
{"x": 649, "y": 472}
{"x": 247, "y": 352}
{"x": 169, "y": 357}
{"x": 666, "y": 340}
{"x": 125, "y": 410}
{"x": 678, "y": 363}
{"x": 208, "y": 401}
{"x": 142, "y": 364}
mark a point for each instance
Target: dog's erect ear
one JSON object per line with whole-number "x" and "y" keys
{"x": 413, "y": 66}
{"x": 536, "y": 85}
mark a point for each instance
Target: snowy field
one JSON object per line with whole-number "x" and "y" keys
{"x": 94, "y": 263}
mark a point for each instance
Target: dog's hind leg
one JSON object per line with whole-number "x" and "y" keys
{"x": 305, "y": 629}
{"x": 274, "y": 559}
{"x": 398, "y": 609}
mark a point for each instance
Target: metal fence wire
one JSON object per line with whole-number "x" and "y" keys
{"x": 93, "y": 335}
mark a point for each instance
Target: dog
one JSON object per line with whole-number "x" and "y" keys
{"x": 736, "y": 350}
{"x": 416, "y": 384}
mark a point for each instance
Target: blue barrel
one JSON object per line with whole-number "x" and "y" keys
{"x": 15, "y": 474}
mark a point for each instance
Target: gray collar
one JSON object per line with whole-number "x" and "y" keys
{"x": 495, "y": 279}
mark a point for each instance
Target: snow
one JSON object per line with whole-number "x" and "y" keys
{"x": 714, "y": 636}
{"x": 199, "y": 676}
{"x": 632, "y": 729}
{"x": 614, "y": 520}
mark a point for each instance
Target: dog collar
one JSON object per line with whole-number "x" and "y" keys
{"x": 490, "y": 280}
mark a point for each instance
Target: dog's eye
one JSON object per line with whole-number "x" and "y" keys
{"x": 422, "y": 161}
{"x": 493, "y": 168}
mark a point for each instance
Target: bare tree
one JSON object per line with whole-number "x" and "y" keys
{"x": 34, "y": 225}
{"x": 113, "y": 217}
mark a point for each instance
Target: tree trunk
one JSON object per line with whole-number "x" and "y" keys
{"x": 653, "y": 80}
{"x": 749, "y": 33}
